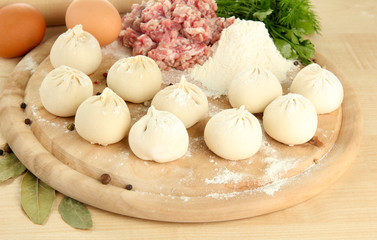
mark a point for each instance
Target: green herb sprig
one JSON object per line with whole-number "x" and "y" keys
{"x": 287, "y": 22}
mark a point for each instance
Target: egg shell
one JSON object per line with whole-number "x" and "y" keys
{"x": 98, "y": 17}
{"x": 22, "y": 27}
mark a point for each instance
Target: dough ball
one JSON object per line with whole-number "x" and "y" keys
{"x": 233, "y": 134}
{"x": 159, "y": 136}
{"x": 185, "y": 100}
{"x": 103, "y": 119}
{"x": 77, "y": 49}
{"x": 254, "y": 89}
{"x": 290, "y": 119}
{"x": 64, "y": 89}
{"x": 320, "y": 86}
{"x": 135, "y": 79}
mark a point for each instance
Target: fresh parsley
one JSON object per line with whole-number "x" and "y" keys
{"x": 286, "y": 20}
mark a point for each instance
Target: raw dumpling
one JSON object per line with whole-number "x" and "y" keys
{"x": 185, "y": 100}
{"x": 290, "y": 119}
{"x": 103, "y": 119}
{"x": 233, "y": 134}
{"x": 64, "y": 89}
{"x": 159, "y": 136}
{"x": 77, "y": 49}
{"x": 254, "y": 89}
{"x": 320, "y": 86}
{"x": 135, "y": 79}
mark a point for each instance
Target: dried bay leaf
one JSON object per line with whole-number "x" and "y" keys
{"x": 10, "y": 167}
{"x": 36, "y": 198}
{"x": 75, "y": 213}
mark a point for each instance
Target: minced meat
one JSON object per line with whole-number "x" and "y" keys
{"x": 175, "y": 33}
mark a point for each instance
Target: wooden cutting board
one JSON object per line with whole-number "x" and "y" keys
{"x": 199, "y": 187}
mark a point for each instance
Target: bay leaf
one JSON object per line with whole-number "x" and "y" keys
{"x": 75, "y": 213}
{"x": 36, "y": 198}
{"x": 10, "y": 167}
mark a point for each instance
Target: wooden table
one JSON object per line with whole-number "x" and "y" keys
{"x": 347, "y": 210}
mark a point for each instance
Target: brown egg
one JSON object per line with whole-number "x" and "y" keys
{"x": 98, "y": 17}
{"x": 22, "y": 27}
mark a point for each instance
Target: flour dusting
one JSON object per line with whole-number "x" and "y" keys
{"x": 213, "y": 109}
{"x": 31, "y": 64}
{"x": 116, "y": 50}
{"x": 225, "y": 176}
{"x": 221, "y": 196}
{"x": 270, "y": 189}
{"x": 37, "y": 117}
{"x": 277, "y": 167}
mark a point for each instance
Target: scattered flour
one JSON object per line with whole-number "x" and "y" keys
{"x": 188, "y": 178}
{"x": 185, "y": 199}
{"x": 225, "y": 196}
{"x": 277, "y": 167}
{"x": 213, "y": 109}
{"x": 31, "y": 64}
{"x": 116, "y": 50}
{"x": 225, "y": 176}
{"x": 174, "y": 76}
{"x": 37, "y": 117}
{"x": 122, "y": 155}
{"x": 188, "y": 152}
{"x": 270, "y": 189}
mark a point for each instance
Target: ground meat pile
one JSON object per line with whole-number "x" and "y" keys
{"x": 175, "y": 33}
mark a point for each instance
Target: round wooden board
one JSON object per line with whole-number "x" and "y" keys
{"x": 200, "y": 187}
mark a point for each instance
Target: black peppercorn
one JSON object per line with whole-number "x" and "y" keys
{"x": 295, "y": 63}
{"x": 27, "y": 121}
{"x": 129, "y": 187}
{"x": 1, "y": 152}
{"x": 23, "y": 105}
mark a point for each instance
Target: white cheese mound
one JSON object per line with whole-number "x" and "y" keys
{"x": 242, "y": 46}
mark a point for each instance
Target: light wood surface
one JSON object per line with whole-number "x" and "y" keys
{"x": 346, "y": 211}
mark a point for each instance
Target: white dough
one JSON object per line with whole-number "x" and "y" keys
{"x": 135, "y": 79}
{"x": 185, "y": 100}
{"x": 233, "y": 134}
{"x": 320, "y": 86}
{"x": 254, "y": 89}
{"x": 103, "y": 119}
{"x": 64, "y": 89}
{"x": 77, "y": 49}
{"x": 159, "y": 136}
{"x": 290, "y": 119}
